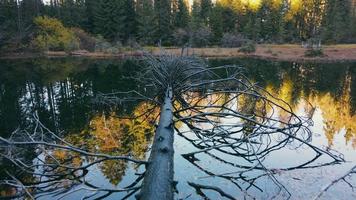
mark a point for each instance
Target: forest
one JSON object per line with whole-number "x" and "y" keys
{"x": 98, "y": 25}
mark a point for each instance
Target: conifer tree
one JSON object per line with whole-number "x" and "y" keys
{"x": 146, "y": 22}
{"x": 164, "y": 19}
{"x": 109, "y": 20}
{"x": 216, "y": 22}
{"x": 131, "y": 21}
{"x": 337, "y": 21}
{"x": 181, "y": 17}
{"x": 205, "y": 9}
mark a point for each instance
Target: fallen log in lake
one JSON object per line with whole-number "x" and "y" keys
{"x": 225, "y": 116}
{"x": 158, "y": 181}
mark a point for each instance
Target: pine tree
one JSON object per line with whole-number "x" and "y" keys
{"x": 73, "y": 13}
{"x": 216, "y": 22}
{"x": 130, "y": 22}
{"x": 181, "y": 17}
{"x": 146, "y": 22}
{"x": 109, "y": 20}
{"x": 91, "y": 7}
{"x": 337, "y": 21}
{"x": 163, "y": 15}
{"x": 205, "y": 9}
{"x": 196, "y": 21}
{"x": 271, "y": 18}
{"x": 8, "y": 16}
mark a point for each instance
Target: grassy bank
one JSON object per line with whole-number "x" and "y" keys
{"x": 284, "y": 52}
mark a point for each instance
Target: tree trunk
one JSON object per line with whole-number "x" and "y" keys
{"x": 158, "y": 181}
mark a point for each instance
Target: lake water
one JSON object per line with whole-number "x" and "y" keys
{"x": 62, "y": 91}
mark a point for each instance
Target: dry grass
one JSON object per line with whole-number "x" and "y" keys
{"x": 282, "y": 52}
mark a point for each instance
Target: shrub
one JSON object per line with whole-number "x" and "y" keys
{"x": 311, "y": 52}
{"x": 131, "y": 42}
{"x": 52, "y": 35}
{"x": 231, "y": 40}
{"x": 201, "y": 37}
{"x": 101, "y": 45}
{"x": 248, "y": 47}
{"x": 86, "y": 41}
{"x": 181, "y": 37}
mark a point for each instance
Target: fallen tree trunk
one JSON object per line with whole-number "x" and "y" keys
{"x": 158, "y": 181}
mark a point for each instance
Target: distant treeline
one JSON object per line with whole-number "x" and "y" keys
{"x": 176, "y": 22}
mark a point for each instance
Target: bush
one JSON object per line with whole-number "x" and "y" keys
{"x": 248, "y": 47}
{"x": 52, "y": 35}
{"x": 86, "y": 41}
{"x": 181, "y": 37}
{"x": 131, "y": 42}
{"x": 231, "y": 40}
{"x": 311, "y": 52}
{"x": 101, "y": 45}
{"x": 201, "y": 37}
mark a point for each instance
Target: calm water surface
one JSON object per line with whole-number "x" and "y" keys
{"x": 61, "y": 91}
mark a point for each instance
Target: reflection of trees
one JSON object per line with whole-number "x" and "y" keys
{"x": 118, "y": 136}
{"x": 337, "y": 113}
{"x": 330, "y": 87}
{"x": 114, "y": 141}
{"x": 240, "y": 125}
{"x": 60, "y": 91}
{"x": 332, "y": 95}
{"x": 242, "y": 140}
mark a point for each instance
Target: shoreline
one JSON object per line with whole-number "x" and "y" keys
{"x": 285, "y": 53}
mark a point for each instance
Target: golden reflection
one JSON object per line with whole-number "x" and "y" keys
{"x": 114, "y": 136}
{"x": 335, "y": 111}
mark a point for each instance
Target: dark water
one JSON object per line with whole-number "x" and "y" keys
{"x": 61, "y": 92}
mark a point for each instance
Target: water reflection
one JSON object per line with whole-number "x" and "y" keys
{"x": 61, "y": 92}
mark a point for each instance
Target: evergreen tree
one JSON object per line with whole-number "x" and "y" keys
{"x": 91, "y": 7}
{"x": 196, "y": 21}
{"x": 73, "y": 13}
{"x": 130, "y": 21}
{"x": 8, "y": 16}
{"x": 271, "y": 18}
{"x": 164, "y": 16}
{"x": 337, "y": 21}
{"x": 109, "y": 20}
{"x": 216, "y": 22}
{"x": 146, "y": 21}
{"x": 205, "y": 9}
{"x": 181, "y": 18}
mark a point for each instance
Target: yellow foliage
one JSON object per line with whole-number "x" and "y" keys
{"x": 52, "y": 35}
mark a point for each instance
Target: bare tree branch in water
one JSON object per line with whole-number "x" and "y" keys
{"x": 52, "y": 174}
{"x": 340, "y": 179}
{"x": 217, "y": 109}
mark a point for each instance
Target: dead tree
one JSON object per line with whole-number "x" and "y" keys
{"x": 224, "y": 112}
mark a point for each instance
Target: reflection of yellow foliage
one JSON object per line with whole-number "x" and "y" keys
{"x": 114, "y": 170}
{"x": 285, "y": 94}
{"x": 121, "y": 135}
{"x": 60, "y": 154}
{"x": 7, "y": 191}
{"x": 114, "y": 136}
{"x": 196, "y": 99}
{"x": 337, "y": 114}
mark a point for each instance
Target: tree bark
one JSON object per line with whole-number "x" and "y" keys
{"x": 158, "y": 181}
